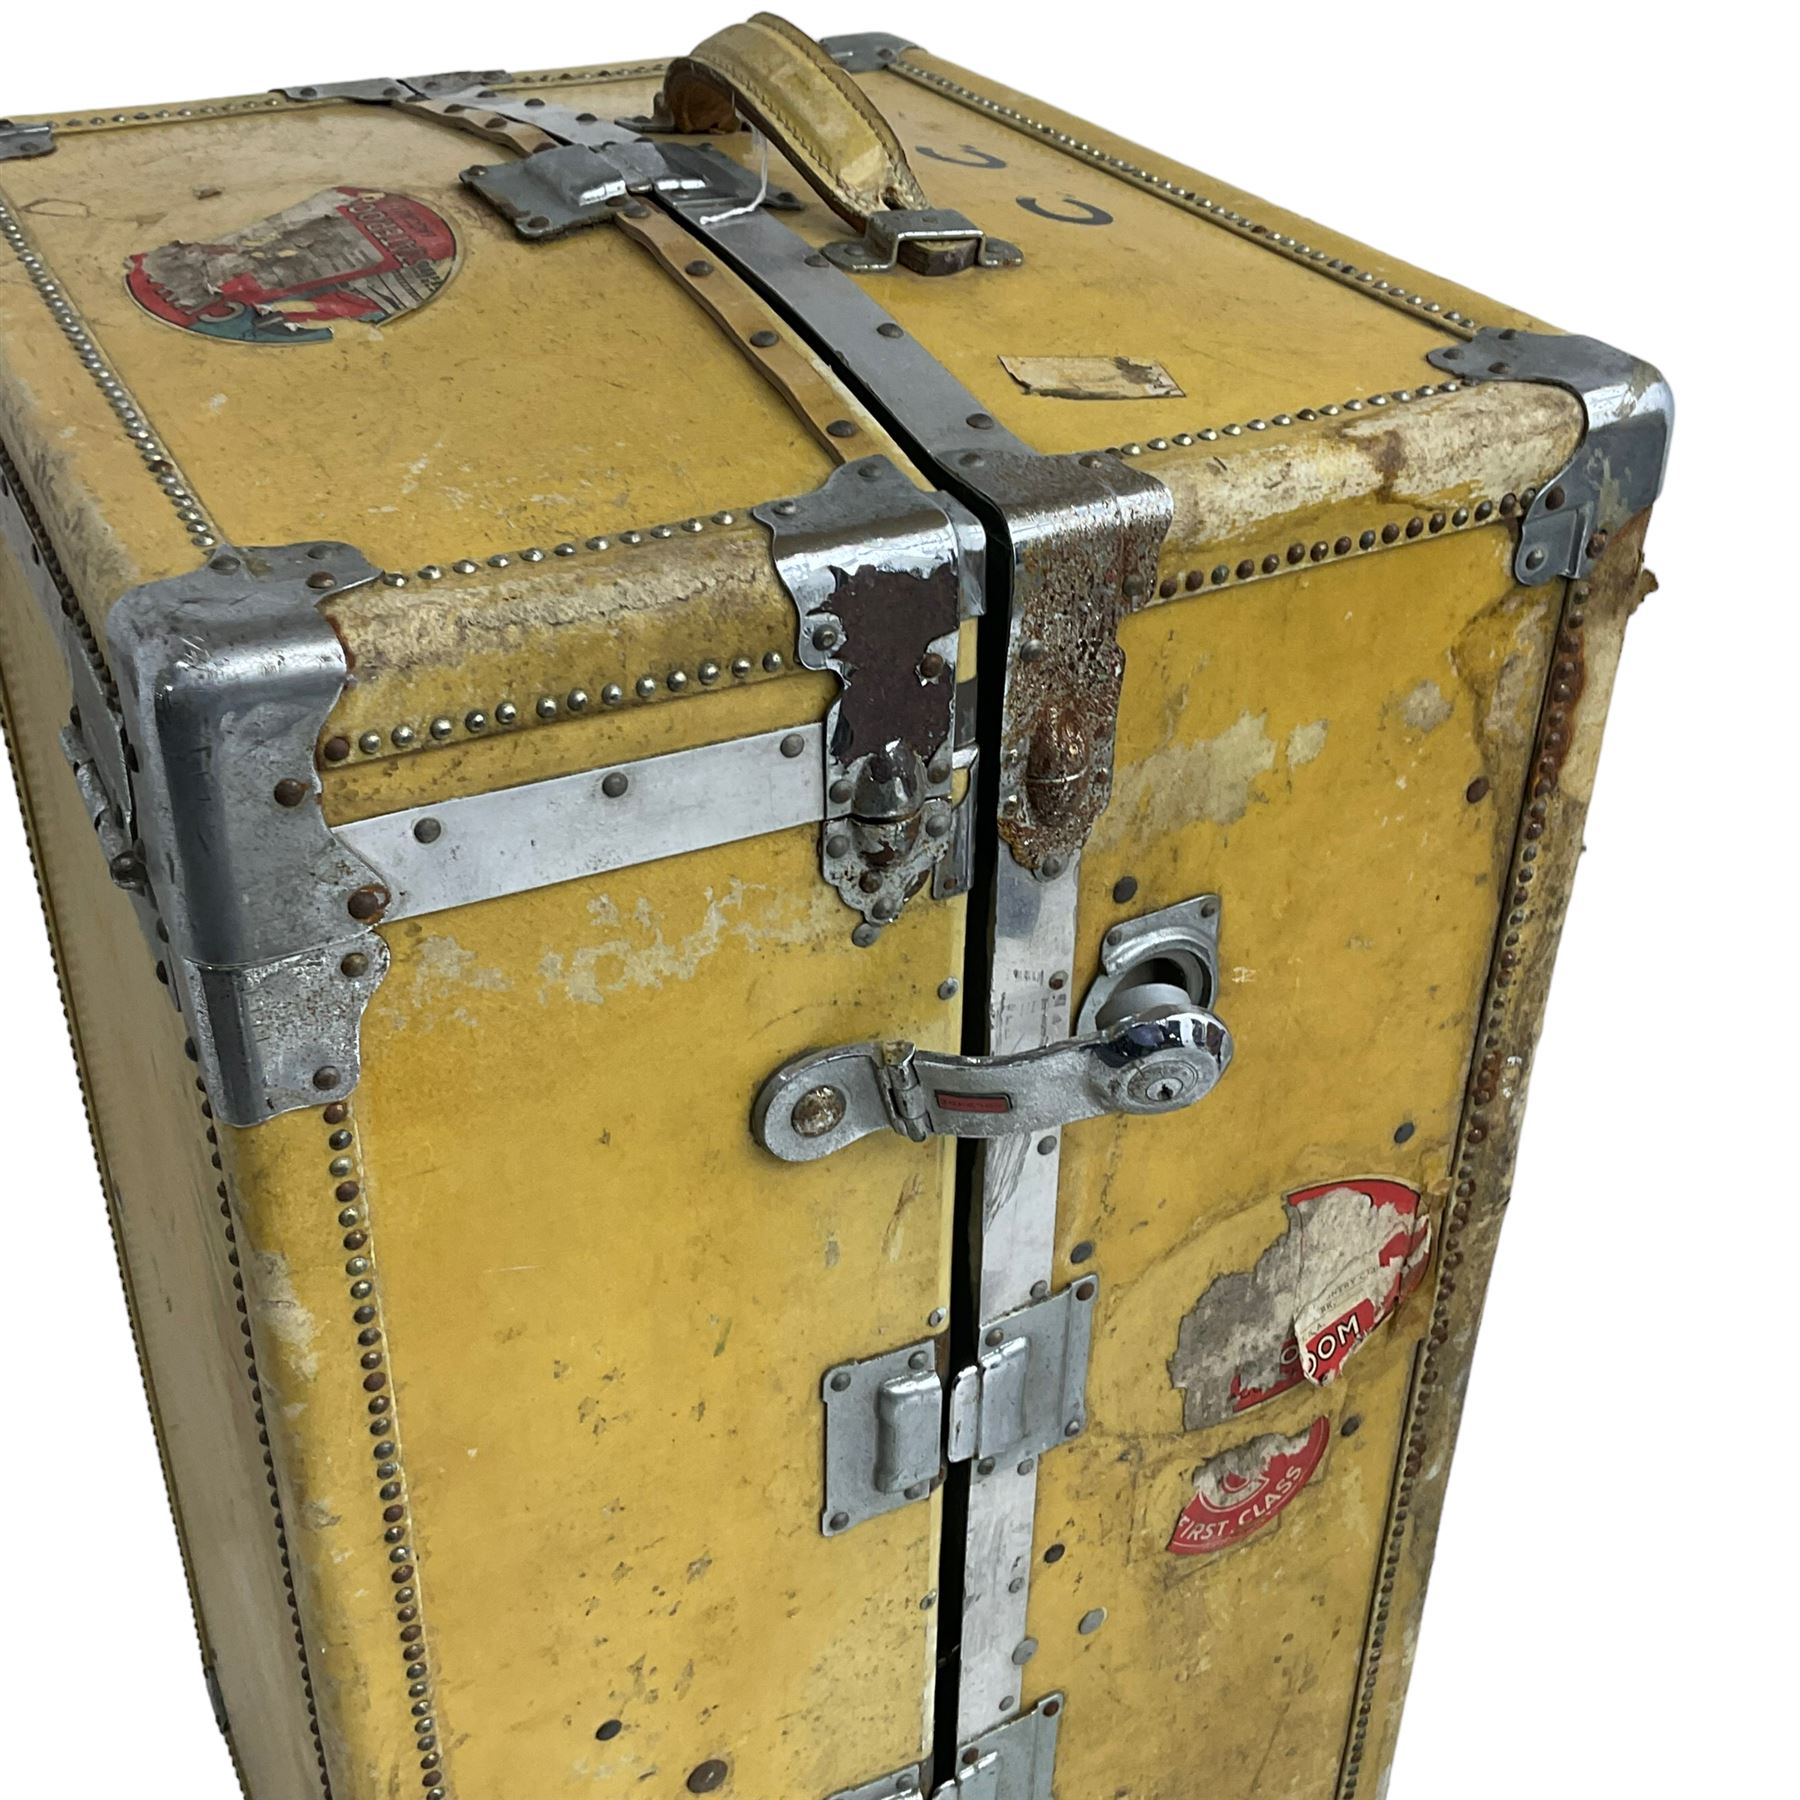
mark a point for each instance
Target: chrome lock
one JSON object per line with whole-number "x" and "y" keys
{"x": 1146, "y": 1043}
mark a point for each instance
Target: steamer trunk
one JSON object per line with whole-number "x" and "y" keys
{"x": 804, "y": 878}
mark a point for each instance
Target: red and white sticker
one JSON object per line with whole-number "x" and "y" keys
{"x": 348, "y": 253}
{"x": 1241, "y": 1490}
{"x": 1345, "y": 1302}
{"x": 1350, "y": 1251}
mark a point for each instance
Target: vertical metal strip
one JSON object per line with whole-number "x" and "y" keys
{"x": 1016, "y": 1190}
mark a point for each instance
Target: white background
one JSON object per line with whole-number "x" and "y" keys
{"x": 1612, "y": 1606}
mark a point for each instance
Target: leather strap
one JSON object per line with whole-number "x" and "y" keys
{"x": 771, "y": 72}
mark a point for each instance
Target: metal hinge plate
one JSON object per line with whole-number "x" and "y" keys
{"x": 882, "y": 575}
{"x": 1028, "y": 1391}
{"x": 888, "y": 1437}
{"x": 1014, "y": 1761}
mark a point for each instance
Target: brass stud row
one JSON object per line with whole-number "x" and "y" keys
{"x": 344, "y": 1173}
{"x": 1552, "y": 745}
{"x": 262, "y": 1427}
{"x": 531, "y": 557}
{"x": 150, "y": 448}
{"x": 1305, "y": 415}
{"x": 709, "y": 673}
{"x": 1299, "y": 553}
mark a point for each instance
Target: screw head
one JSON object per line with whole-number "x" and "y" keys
{"x": 818, "y": 1111}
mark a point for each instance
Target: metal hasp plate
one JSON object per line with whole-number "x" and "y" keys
{"x": 226, "y": 677}
{"x": 863, "y": 52}
{"x": 888, "y": 1435}
{"x": 884, "y": 1435}
{"x": 1014, "y": 1761}
{"x": 1617, "y": 472}
{"x": 18, "y": 141}
{"x": 1028, "y": 1391}
{"x": 882, "y": 575}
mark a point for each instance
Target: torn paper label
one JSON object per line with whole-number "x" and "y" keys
{"x": 346, "y": 253}
{"x": 1243, "y": 1489}
{"x": 1349, "y": 1253}
{"x": 1092, "y": 377}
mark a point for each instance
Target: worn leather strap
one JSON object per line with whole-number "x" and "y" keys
{"x": 771, "y": 72}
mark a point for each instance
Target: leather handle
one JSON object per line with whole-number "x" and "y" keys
{"x": 772, "y": 73}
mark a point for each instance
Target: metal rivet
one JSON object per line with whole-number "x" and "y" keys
{"x": 290, "y": 792}
{"x": 793, "y": 744}
{"x": 1092, "y": 1621}
{"x": 428, "y": 831}
{"x": 764, "y": 340}
{"x": 505, "y": 713}
{"x": 949, "y": 988}
{"x": 546, "y": 708}
{"x": 615, "y": 785}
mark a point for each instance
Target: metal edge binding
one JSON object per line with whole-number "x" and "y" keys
{"x": 1615, "y": 473}
{"x": 882, "y": 574}
{"x": 379, "y": 90}
{"x": 474, "y": 847}
{"x": 226, "y": 677}
{"x": 865, "y": 52}
{"x": 18, "y": 141}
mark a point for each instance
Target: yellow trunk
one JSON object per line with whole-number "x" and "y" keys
{"x": 522, "y": 607}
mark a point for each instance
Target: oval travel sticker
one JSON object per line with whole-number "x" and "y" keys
{"x": 357, "y": 253}
{"x": 1241, "y": 1490}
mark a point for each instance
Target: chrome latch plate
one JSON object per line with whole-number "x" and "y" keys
{"x": 1014, "y": 1761}
{"x": 884, "y": 1421}
{"x": 930, "y": 241}
{"x": 1028, "y": 1391}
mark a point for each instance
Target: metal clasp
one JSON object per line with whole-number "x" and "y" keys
{"x": 935, "y": 241}
{"x": 889, "y": 1435}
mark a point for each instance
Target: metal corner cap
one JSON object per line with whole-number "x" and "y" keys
{"x": 19, "y": 141}
{"x": 864, "y": 52}
{"x": 1616, "y": 471}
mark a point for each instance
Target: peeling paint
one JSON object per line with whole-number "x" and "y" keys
{"x": 1305, "y": 742}
{"x": 1426, "y": 707}
{"x": 637, "y": 954}
{"x": 1211, "y": 779}
{"x": 1349, "y": 1253}
{"x": 279, "y": 1310}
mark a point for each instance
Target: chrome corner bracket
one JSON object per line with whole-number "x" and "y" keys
{"x": 892, "y": 1422}
{"x": 225, "y": 679}
{"x": 864, "y": 52}
{"x": 882, "y": 575}
{"x": 1618, "y": 469}
{"x": 17, "y": 141}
